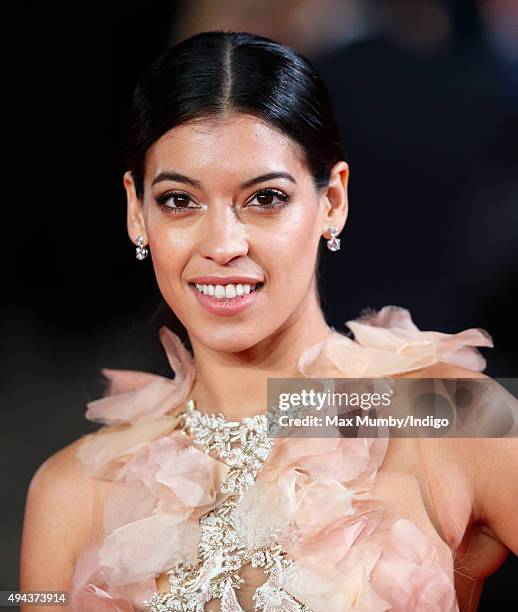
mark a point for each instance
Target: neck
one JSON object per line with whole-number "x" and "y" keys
{"x": 235, "y": 383}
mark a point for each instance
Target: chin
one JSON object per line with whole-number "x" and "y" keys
{"x": 229, "y": 338}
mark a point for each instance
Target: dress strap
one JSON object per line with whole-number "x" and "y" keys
{"x": 470, "y": 587}
{"x": 426, "y": 493}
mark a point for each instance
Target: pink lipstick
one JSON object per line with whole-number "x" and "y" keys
{"x": 224, "y": 306}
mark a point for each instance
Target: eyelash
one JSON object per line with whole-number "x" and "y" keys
{"x": 161, "y": 200}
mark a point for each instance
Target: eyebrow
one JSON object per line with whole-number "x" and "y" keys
{"x": 181, "y": 178}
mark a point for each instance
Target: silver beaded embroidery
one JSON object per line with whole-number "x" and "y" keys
{"x": 244, "y": 446}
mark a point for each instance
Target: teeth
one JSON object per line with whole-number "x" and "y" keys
{"x": 230, "y": 291}
{"x": 226, "y": 291}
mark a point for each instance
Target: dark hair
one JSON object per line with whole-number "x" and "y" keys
{"x": 213, "y": 73}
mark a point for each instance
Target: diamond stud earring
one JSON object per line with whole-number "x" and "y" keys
{"x": 141, "y": 251}
{"x": 333, "y": 244}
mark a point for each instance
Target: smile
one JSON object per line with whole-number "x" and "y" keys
{"x": 226, "y": 300}
{"x": 226, "y": 291}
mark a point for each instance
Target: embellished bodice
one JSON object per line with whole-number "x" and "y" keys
{"x": 331, "y": 524}
{"x": 243, "y": 446}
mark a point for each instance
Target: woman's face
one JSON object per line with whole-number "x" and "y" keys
{"x": 233, "y": 198}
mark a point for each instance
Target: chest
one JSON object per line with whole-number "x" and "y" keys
{"x": 389, "y": 532}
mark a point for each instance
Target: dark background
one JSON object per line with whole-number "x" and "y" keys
{"x": 429, "y": 123}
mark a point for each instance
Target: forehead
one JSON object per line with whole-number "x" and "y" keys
{"x": 238, "y": 145}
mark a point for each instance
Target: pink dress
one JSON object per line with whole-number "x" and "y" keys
{"x": 367, "y": 535}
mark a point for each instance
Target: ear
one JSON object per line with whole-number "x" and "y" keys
{"x": 336, "y": 203}
{"x": 135, "y": 214}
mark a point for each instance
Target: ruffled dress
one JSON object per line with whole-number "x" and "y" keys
{"x": 354, "y": 518}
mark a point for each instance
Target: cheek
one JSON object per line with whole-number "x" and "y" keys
{"x": 168, "y": 254}
{"x": 167, "y": 243}
{"x": 292, "y": 248}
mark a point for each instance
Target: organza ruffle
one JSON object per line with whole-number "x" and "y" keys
{"x": 388, "y": 342}
{"x": 314, "y": 495}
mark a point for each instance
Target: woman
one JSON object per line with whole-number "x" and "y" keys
{"x": 235, "y": 173}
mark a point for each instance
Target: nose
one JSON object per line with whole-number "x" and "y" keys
{"x": 223, "y": 236}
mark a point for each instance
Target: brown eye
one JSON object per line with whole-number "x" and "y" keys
{"x": 179, "y": 200}
{"x": 175, "y": 202}
{"x": 270, "y": 198}
{"x": 266, "y": 199}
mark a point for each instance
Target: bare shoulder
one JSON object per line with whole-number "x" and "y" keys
{"x": 488, "y": 467}
{"x": 60, "y": 478}
{"x": 466, "y": 453}
{"x": 59, "y": 511}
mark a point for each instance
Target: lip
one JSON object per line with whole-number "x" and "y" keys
{"x": 226, "y": 307}
{"x": 225, "y": 280}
